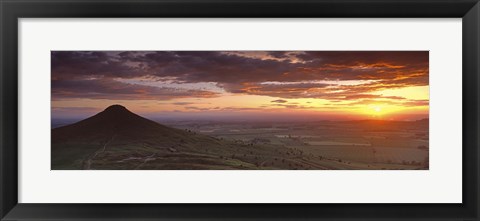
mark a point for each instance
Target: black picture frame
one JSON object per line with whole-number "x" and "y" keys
{"x": 12, "y": 10}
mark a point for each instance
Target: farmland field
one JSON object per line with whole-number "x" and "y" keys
{"x": 344, "y": 144}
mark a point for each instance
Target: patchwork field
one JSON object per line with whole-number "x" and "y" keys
{"x": 339, "y": 145}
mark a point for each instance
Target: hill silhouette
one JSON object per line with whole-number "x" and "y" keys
{"x": 115, "y": 120}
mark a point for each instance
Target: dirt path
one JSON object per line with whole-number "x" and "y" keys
{"x": 87, "y": 164}
{"x": 315, "y": 165}
{"x": 148, "y": 158}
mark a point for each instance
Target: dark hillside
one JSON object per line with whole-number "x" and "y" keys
{"x": 115, "y": 120}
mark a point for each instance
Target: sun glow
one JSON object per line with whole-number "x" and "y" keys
{"x": 375, "y": 110}
{"x": 359, "y": 85}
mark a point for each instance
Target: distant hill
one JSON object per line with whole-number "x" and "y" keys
{"x": 117, "y": 121}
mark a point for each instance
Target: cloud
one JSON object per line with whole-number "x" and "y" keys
{"x": 414, "y": 103}
{"x": 370, "y": 96}
{"x": 226, "y": 109}
{"x": 291, "y": 106}
{"x": 76, "y": 109}
{"x": 106, "y": 88}
{"x": 402, "y": 102}
{"x": 182, "y": 103}
{"x": 197, "y": 108}
{"x": 80, "y": 74}
{"x": 279, "y": 101}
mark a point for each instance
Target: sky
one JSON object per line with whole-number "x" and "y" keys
{"x": 242, "y": 85}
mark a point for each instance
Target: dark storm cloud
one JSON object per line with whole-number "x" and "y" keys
{"x": 400, "y": 58}
{"x": 93, "y": 74}
{"x": 278, "y": 54}
{"x": 106, "y": 88}
{"x": 68, "y": 65}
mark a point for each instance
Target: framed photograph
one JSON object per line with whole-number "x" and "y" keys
{"x": 228, "y": 110}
